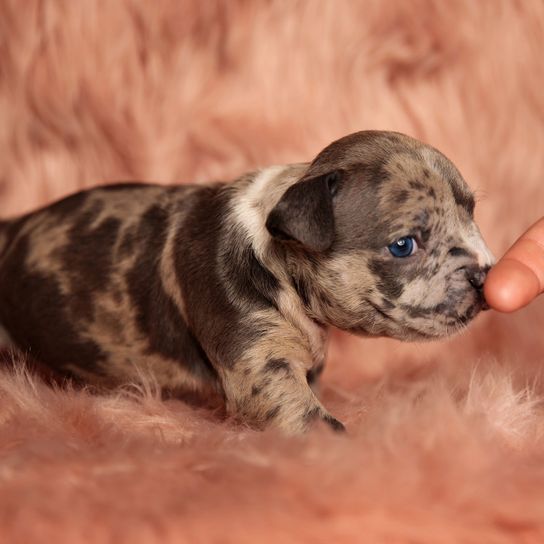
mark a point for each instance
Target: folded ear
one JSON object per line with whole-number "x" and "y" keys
{"x": 305, "y": 213}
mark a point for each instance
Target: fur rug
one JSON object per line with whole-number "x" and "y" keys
{"x": 446, "y": 440}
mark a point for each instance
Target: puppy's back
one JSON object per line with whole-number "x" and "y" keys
{"x": 74, "y": 275}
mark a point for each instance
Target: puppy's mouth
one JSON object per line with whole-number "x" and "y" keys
{"x": 430, "y": 323}
{"x": 405, "y": 330}
{"x": 456, "y": 321}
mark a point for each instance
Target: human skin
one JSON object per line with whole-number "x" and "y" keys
{"x": 518, "y": 277}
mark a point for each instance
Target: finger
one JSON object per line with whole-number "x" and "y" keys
{"x": 519, "y": 276}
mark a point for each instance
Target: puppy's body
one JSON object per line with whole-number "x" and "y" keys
{"x": 231, "y": 287}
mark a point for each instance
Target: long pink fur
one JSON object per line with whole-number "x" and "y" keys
{"x": 446, "y": 440}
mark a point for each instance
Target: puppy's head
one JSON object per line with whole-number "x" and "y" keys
{"x": 380, "y": 238}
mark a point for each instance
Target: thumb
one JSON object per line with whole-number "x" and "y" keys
{"x": 518, "y": 277}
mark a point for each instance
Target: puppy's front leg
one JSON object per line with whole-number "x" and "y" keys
{"x": 274, "y": 391}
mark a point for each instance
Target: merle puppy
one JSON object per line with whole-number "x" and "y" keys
{"x": 232, "y": 287}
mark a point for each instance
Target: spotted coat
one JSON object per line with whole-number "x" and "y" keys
{"x": 230, "y": 289}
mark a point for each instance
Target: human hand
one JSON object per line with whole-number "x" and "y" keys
{"x": 518, "y": 277}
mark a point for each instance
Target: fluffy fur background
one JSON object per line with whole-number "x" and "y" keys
{"x": 446, "y": 441}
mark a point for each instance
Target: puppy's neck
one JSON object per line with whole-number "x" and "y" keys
{"x": 255, "y": 196}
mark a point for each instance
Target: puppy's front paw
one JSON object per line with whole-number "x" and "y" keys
{"x": 281, "y": 398}
{"x": 318, "y": 414}
{"x": 292, "y": 420}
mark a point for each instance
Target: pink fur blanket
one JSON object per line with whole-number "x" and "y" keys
{"x": 445, "y": 441}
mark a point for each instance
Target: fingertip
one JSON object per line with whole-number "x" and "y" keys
{"x": 510, "y": 285}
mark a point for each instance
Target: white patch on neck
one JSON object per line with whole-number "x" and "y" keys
{"x": 252, "y": 207}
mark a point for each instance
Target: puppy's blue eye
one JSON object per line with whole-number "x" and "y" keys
{"x": 403, "y": 247}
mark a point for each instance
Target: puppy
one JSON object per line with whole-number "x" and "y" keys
{"x": 232, "y": 287}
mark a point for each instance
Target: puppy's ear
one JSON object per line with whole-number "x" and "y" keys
{"x": 305, "y": 212}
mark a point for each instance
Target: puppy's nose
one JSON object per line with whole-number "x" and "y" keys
{"x": 476, "y": 277}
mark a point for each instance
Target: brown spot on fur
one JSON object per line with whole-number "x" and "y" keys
{"x": 458, "y": 252}
{"x": 463, "y": 198}
{"x": 313, "y": 374}
{"x": 302, "y": 289}
{"x": 255, "y": 390}
{"x": 272, "y": 413}
{"x": 401, "y": 196}
{"x": 416, "y": 185}
{"x": 387, "y": 304}
{"x": 388, "y": 279}
{"x": 277, "y": 365}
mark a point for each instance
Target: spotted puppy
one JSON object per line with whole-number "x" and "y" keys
{"x": 232, "y": 287}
